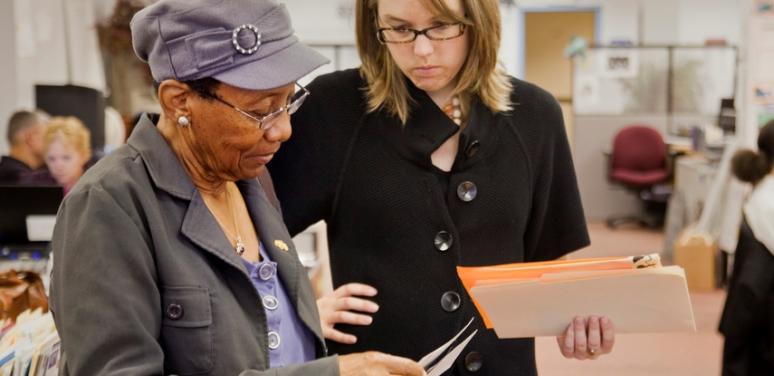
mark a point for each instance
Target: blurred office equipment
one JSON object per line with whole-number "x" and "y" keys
{"x": 639, "y": 162}
{"x": 727, "y": 115}
{"x": 673, "y": 89}
{"x": 27, "y": 216}
{"x": 85, "y": 103}
{"x": 19, "y": 202}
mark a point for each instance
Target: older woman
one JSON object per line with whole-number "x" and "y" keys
{"x": 67, "y": 149}
{"x": 425, "y": 158}
{"x": 170, "y": 257}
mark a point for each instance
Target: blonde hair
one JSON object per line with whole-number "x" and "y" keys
{"x": 70, "y": 131}
{"x": 479, "y": 74}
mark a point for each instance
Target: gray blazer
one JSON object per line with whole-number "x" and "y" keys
{"x": 133, "y": 239}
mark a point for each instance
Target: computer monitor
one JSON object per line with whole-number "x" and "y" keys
{"x": 85, "y": 103}
{"x": 17, "y": 202}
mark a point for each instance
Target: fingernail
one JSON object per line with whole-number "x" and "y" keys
{"x": 604, "y": 320}
{"x": 369, "y": 319}
{"x": 578, "y": 321}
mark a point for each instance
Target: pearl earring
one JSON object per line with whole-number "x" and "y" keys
{"x": 183, "y": 121}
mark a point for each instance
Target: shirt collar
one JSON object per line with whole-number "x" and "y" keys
{"x": 163, "y": 165}
{"x": 428, "y": 127}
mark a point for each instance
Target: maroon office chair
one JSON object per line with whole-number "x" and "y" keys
{"x": 639, "y": 162}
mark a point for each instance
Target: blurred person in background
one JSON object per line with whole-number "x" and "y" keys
{"x": 748, "y": 317}
{"x": 25, "y": 137}
{"x": 67, "y": 150}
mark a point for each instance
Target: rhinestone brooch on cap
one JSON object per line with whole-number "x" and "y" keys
{"x": 241, "y": 49}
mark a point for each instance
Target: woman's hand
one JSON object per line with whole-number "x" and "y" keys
{"x": 374, "y": 363}
{"x": 341, "y": 307}
{"x": 587, "y": 338}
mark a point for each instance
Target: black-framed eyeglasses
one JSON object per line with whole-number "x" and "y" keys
{"x": 265, "y": 121}
{"x": 407, "y": 35}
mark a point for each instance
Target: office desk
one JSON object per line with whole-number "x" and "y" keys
{"x": 693, "y": 179}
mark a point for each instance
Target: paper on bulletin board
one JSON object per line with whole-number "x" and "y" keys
{"x": 586, "y": 91}
{"x": 618, "y": 63}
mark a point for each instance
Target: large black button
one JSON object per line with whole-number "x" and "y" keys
{"x": 472, "y": 148}
{"x": 443, "y": 240}
{"x": 473, "y": 361}
{"x": 467, "y": 191}
{"x": 450, "y": 301}
{"x": 174, "y": 311}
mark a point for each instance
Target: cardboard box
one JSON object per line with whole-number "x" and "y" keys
{"x": 696, "y": 253}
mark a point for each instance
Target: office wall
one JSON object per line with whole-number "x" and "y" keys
{"x": 39, "y": 38}
{"x": 11, "y": 97}
{"x": 703, "y": 19}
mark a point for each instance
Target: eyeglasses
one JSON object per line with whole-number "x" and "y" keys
{"x": 408, "y": 35}
{"x": 266, "y": 121}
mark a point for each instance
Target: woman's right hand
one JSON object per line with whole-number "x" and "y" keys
{"x": 374, "y": 363}
{"x": 342, "y": 306}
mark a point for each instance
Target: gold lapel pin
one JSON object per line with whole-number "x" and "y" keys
{"x": 281, "y": 245}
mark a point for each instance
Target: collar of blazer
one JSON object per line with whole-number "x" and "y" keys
{"x": 202, "y": 229}
{"x": 428, "y": 127}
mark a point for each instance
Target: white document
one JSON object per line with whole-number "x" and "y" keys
{"x": 447, "y": 361}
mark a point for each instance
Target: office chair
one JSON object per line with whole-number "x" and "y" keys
{"x": 639, "y": 162}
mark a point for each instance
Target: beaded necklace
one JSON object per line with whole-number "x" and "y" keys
{"x": 453, "y": 110}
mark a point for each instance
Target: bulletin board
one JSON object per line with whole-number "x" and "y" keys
{"x": 684, "y": 83}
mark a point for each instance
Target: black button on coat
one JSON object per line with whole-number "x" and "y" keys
{"x": 371, "y": 179}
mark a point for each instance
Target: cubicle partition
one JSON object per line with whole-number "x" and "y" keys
{"x": 677, "y": 90}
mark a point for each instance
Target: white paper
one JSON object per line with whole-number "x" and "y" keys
{"x": 429, "y": 358}
{"x": 446, "y": 362}
{"x": 40, "y": 228}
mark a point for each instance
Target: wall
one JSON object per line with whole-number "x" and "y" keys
{"x": 703, "y": 19}
{"x": 11, "y": 96}
{"x": 33, "y": 37}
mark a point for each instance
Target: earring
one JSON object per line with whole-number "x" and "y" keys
{"x": 183, "y": 121}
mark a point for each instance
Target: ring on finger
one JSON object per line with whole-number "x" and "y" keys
{"x": 592, "y": 352}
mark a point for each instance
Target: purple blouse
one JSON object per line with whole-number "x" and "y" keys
{"x": 290, "y": 341}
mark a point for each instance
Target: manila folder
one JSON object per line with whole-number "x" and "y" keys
{"x": 637, "y": 300}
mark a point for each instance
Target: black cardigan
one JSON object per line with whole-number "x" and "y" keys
{"x": 512, "y": 197}
{"x": 748, "y": 317}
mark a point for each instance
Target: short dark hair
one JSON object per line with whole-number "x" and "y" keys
{"x": 21, "y": 120}
{"x": 205, "y": 87}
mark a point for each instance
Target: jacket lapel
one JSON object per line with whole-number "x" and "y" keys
{"x": 201, "y": 228}
{"x": 279, "y": 245}
{"x": 168, "y": 174}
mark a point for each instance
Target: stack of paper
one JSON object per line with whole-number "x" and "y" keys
{"x": 541, "y": 298}
{"x": 30, "y": 346}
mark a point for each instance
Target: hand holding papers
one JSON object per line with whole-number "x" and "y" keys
{"x": 540, "y": 299}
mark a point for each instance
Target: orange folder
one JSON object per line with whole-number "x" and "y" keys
{"x": 541, "y": 298}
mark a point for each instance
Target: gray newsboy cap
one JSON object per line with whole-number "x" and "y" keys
{"x": 243, "y": 43}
